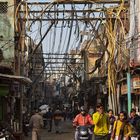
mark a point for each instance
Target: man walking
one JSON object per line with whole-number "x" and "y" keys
{"x": 49, "y": 118}
{"x": 101, "y": 122}
{"x": 58, "y": 117}
{"x": 36, "y": 123}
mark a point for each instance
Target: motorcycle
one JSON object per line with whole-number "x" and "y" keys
{"x": 25, "y": 125}
{"x": 84, "y": 133}
{"x": 26, "y": 129}
{"x": 2, "y": 136}
{"x": 5, "y": 135}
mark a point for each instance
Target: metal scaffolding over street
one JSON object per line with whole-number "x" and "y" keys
{"x": 69, "y": 56}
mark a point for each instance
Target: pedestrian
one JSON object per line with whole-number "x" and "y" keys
{"x": 58, "y": 117}
{"x": 82, "y": 119}
{"x": 122, "y": 129}
{"x": 111, "y": 122}
{"x": 36, "y": 123}
{"x": 135, "y": 122}
{"x": 70, "y": 114}
{"x": 49, "y": 117}
{"x": 101, "y": 123}
{"x": 65, "y": 114}
{"x": 91, "y": 111}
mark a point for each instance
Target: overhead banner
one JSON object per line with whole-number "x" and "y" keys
{"x": 6, "y": 32}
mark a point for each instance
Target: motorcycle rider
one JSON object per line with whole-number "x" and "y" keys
{"x": 82, "y": 119}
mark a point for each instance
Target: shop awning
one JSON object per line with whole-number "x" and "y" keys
{"x": 22, "y": 79}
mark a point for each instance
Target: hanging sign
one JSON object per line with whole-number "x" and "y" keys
{"x": 136, "y": 82}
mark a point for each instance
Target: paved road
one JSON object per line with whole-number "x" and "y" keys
{"x": 67, "y": 134}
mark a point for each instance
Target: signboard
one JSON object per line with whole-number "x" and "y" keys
{"x": 124, "y": 89}
{"x": 135, "y": 86}
{"x": 136, "y": 82}
{"x": 6, "y": 33}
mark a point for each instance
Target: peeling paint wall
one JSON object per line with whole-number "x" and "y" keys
{"x": 138, "y": 24}
{"x": 7, "y": 32}
{"x": 134, "y": 33}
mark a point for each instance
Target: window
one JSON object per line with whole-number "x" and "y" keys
{"x": 3, "y": 7}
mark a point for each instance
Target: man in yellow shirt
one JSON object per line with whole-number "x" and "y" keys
{"x": 101, "y": 123}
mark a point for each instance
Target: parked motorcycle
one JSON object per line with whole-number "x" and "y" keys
{"x": 2, "y": 136}
{"x": 84, "y": 133}
{"x": 5, "y": 135}
{"x": 25, "y": 125}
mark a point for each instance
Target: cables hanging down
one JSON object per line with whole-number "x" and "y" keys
{"x": 117, "y": 51}
{"x": 67, "y": 23}
{"x": 60, "y": 41}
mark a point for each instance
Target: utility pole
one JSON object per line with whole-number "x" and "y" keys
{"x": 85, "y": 64}
{"x": 129, "y": 91}
{"x": 22, "y": 63}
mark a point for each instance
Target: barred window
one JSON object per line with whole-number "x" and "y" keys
{"x": 3, "y": 7}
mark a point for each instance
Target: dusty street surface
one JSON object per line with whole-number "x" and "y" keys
{"x": 67, "y": 134}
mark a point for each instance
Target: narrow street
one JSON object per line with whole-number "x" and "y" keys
{"x": 62, "y": 57}
{"x": 67, "y": 134}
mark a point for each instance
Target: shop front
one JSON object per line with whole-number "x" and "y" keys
{"x": 11, "y": 102}
{"x": 4, "y": 91}
{"x": 135, "y": 93}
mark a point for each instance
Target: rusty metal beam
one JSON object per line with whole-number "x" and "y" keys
{"x": 59, "y": 62}
{"x": 62, "y": 58}
{"x": 64, "y": 11}
{"x": 42, "y": 38}
{"x": 31, "y": 55}
{"x": 50, "y": 67}
{"x": 69, "y": 19}
{"x": 57, "y": 54}
{"x": 78, "y": 2}
{"x": 55, "y": 73}
{"x": 51, "y": 70}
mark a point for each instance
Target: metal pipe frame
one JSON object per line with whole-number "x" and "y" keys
{"x": 56, "y": 15}
{"x": 60, "y": 62}
{"x": 68, "y": 19}
{"x": 57, "y": 54}
{"x": 78, "y": 2}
